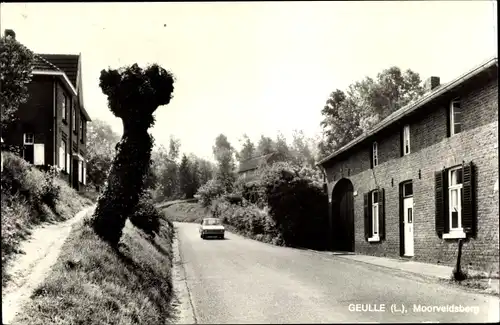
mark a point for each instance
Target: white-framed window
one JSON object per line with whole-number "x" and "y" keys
{"x": 455, "y": 191}
{"x": 28, "y": 138}
{"x": 406, "y": 139}
{"x": 455, "y": 117}
{"x": 374, "y": 154}
{"x": 74, "y": 120}
{"x": 64, "y": 107}
{"x": 375, "y": 216}
{"x": 62, "y": 155}
{"x": 84, "y": 176}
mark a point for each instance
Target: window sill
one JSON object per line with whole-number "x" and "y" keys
{"x": 454, "y": 234}
{"x": 375, "y": 238}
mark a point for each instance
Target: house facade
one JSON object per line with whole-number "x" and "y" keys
{"x": 51, "y": 129}
{"x": 424, "y": 177}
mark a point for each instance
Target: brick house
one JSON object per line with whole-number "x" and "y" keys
{"x": 52, "y": 125}
{"x": 424, "y": 177}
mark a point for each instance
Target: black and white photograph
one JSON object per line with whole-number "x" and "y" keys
{"x": 249, "y": 162}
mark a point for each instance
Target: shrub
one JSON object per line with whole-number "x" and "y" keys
{"x": 146, "y": 216}
{"x": 209, "y": 191}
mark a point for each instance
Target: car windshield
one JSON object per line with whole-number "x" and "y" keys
{"x": 211, "y": 222}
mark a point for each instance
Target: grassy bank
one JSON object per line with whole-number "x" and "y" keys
{"x": 94, "y": 284}
{"x": 30, "y": 197}
{"x": 186, "y": 212}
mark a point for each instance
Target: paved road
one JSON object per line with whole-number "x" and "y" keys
{"x": 238, "y": 280}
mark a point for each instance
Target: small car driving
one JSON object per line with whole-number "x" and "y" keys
{"x": 211, "y": 227}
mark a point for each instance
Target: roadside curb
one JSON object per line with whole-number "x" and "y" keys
{"x": 181, "y": 301}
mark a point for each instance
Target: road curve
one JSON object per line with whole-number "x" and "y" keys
{"x": 238, "y": 280}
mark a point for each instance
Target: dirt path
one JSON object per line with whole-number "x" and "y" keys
{"x": 30, "y": 269}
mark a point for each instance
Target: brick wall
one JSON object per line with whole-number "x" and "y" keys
{"x": 431, "y": 150}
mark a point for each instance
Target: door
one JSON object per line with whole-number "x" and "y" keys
{"x": 408, "y": 226}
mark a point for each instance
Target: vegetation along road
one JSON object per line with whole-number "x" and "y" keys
{"x": 239, "y": 280}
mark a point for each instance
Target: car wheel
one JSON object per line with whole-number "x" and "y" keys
{"x": 202, "y": 237}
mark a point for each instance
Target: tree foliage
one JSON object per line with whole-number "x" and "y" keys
{"x": 101, "y": 143}
{"x": 248, "y": 149}
{"x": 265, "y": 146}
{"x": 224, "y": 155}
{"x": 347, "y": 115}
{"x": 16, "y": 66}
{"x": 133, "y": 94}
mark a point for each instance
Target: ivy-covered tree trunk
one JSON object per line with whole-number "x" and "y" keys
{"x": 133, "y": 95}
{"x": 125, "y": 184}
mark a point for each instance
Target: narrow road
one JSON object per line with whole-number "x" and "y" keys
{"x": 238, "y": 280}
{"x": 28, "y": 270}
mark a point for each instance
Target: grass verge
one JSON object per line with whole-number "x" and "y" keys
{"x": 186, "y": 212}
{"x": 93, "y": 284}
{"x": 30, "y": 197}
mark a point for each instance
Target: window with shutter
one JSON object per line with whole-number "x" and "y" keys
{"x": 458, "y": 204}
{"x": 367, "y": 215}
{"x": 381, "y": 214}
{"x": 440, "y": 202}
{"x": 468, "y": 200}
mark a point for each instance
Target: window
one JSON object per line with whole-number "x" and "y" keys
{"x": 74, "y": 120}
{"x": 455, "y": 198}
{"x": 408, "y": 189}
{"x": 62, "y": 156}
{"x": 64, "y": 106}
{"x": 28, "y": 138}
{"x": 406, "y": 140}
{"x": 374, "y": 154}
{"x": 455, "y": 117}
{"x": 375, "y": 210}
{"x": 82, "y": 128}
{"x": 455, "y": 202}
{"x": 374, "y": 215}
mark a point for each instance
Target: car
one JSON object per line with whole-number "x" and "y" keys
{"x": 211, "y": 227}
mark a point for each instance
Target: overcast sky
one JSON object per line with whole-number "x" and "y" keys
{"x": 255, "y": 68}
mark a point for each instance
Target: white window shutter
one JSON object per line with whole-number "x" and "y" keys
{"x": 85, "y": 174}
{"x": 61, "y": 157}
{"x": 68, "y": 161}
{"x": 79, "y": 171}
{"x": 38, "y": 154}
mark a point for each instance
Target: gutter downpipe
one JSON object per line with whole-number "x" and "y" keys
{"x": 54, "y": 124}
{"x": 329, "y": 239}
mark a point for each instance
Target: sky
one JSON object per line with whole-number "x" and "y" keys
{"x": 255, "y": 67}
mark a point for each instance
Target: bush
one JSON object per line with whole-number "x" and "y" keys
{"x": 210, "y": 191}
{"x": 146, "y": 216}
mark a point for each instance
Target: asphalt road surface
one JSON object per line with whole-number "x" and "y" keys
{"x": 238, "y": 280}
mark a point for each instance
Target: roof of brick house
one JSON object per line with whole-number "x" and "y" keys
{"x": 415, "y": 105}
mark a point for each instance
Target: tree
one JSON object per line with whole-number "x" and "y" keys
{"x": 185, "y": 176}
{"x": 302, "y": 150}
{"x": 265, "y": 146}
{"x": 281, "y": 148}
{"x": 101, "y": 142}
{"x": 364, "y": 104}
{"x": 16, "y": 66}
{"x": 248, "y": 149}
{"x": 133, "y": 94}
{"x": 223, "y": 152}
{"x": 174, "y": 148}
{"x": 206, "y": 169}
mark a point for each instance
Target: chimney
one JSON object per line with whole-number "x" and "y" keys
{"x": 431, "y": 84}
{"x": 10, "y": 33}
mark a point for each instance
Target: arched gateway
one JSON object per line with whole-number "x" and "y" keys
{"x": 342, "y": 216}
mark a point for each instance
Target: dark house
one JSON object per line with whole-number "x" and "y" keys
{"x": 248, "y": 168}
{"x": 52, "y": 125}
{"x": 424, "y": 177}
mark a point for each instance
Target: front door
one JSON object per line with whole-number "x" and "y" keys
{"x": 408, "y": 225}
